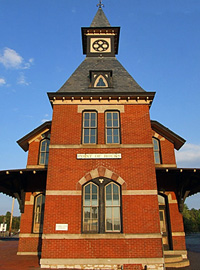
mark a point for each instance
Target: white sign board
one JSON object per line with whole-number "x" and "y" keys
{"x": 3, "y": 227}
{"x": 99, "y": 156}
{"x": 61, "y": 227}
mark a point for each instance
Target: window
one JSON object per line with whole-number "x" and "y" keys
{"x": 38, "y": 213}
{"x": 90, "y": 208}
{"x": 100, "y": 82}
{"x": 164, "y": 221}
{"x": 100, "y": 79}
{"x": 44, "y": 152}
{"x": 89, "y": 128}
{"x": 112, "y": 205}
{"x": 112, "y": 127}
{"x": 156, "y": 149}
{"x": 101, "y": 207}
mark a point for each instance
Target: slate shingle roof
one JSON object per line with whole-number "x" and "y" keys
{"x": 100, "y": 20}
{"x": 80, "y": 80}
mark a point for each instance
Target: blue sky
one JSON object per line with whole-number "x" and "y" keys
{"x": 40, "y": 47}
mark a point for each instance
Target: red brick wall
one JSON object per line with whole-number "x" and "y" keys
{"x": 136, "y": 167}
{"x": 27, "y": 216}
{"x": 140, "y": 214}
{"x": 135, "y": 125}
{"x": 176, "y": 218}
{"x": 178, "y": 242}
{"x": 33, "y": 153}
{"x": 30, "y": 244}
{"x": 67, "y": 122}
{"x": 102, "y": 248}
{"x": 176, "y": 225}
{"x": 66, "y": 125}
{"x": 167, "y": 152}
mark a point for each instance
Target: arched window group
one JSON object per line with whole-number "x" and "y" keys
{"x": 101, "y": 207}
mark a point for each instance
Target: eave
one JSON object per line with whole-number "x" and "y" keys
{"x": 100, "y": 96}
{"x": 23, "y": 142}
{"x": 168, "y": 134}
{"x": 16, "y": 183}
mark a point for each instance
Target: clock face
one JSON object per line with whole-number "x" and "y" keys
{"x": 100, "y": 45}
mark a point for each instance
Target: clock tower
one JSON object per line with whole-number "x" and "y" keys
{"x": 100, "y": 39}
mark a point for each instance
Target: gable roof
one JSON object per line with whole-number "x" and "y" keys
{"x": 121, "y": 79}
{"x": 100, "y": 19}
{"x": 168, "y": 134}
{"x": 23, "y": 142}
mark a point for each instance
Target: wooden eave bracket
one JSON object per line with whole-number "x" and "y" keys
{"x": 21, "y": 200}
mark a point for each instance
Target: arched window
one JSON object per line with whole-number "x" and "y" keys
{"x": 90, "y": 208}
{"x": 101, "y": 206}
{"x": 112, "y": 208}
{"x": 44, "y": 152}
{"x": 38, "y": 213}
{"x": 156, "y": 149}
{"x": 101, "y": 81}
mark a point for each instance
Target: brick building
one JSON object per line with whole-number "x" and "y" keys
{"x": 101, "y": 189}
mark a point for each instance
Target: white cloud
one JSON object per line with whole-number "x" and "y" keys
{"x": 28, "y": 64}
{"x": 188, "y": 156}
{"x": 11, "y": 59}
{"x": 22, "y": 80}
{"x": 2, "y": 81}
{"x": 44, "y": 120}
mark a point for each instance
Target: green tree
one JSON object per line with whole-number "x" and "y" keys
{"x": 191, "y": 219}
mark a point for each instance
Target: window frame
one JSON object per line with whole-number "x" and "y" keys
{"x": 118, "y": 128}
{"x": 41, "y": 213}
{"x": 46, "y": 153}
{"x": 155, "y": 151}
{"x": 102, "y": 206}
{"x": 90, "y": 128}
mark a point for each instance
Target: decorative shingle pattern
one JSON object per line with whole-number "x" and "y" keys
{"x": 80, "y": 80}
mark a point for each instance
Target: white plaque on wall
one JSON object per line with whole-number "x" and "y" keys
{"x": 61, "y": 227}
{"x": 99, "y": 156}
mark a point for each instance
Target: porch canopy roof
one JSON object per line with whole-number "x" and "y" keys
{"x": 183, "y": 181}
{"x": 16, "y": 183}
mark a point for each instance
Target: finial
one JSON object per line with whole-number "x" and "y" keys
{"x": 100, "y": 4}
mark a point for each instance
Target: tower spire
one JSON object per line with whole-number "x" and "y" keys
{"x": 100, "y": 4}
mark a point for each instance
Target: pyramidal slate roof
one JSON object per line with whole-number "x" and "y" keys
{"x": 100, "y": 20}
{"x": 80, "y": 79}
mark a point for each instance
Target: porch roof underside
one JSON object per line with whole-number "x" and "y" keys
{"x": 15, "y": 183}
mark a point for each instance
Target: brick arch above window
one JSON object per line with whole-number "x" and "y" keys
{"x": 101, "y": 172}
